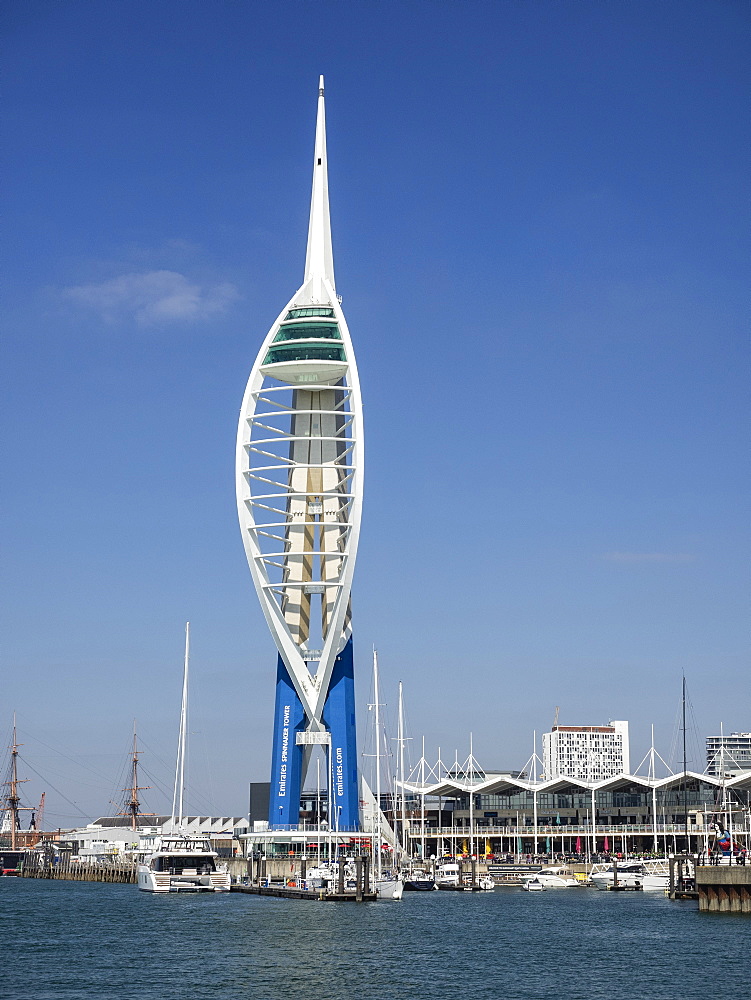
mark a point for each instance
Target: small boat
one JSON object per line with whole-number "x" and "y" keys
{"x": 11, "y": 862}
{"x": 447, "y": 874}
{"x": 419, "y": 881}
{"x": 390, "y": 886}
{"x": 483, "y": 882}
{"x": 655, "y": 883}
{"x": 533, "y": 885}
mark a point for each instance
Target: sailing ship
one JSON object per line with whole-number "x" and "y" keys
{"x": 13, "y": 840}
{"x": 180, "y": 863}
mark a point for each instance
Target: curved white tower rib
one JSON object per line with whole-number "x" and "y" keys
{"x": 299, "y": 465}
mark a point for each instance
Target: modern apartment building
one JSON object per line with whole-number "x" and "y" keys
{"x": 728, "y": 754}
{"x": 590, "y": 753}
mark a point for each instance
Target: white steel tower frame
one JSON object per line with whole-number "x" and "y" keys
{"x": 299, "y": 468}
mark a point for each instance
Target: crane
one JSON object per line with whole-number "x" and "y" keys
{"x": 37, "y": 816}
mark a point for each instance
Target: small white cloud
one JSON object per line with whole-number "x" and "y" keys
{"x": 155, "y": 297}
{"x": 649, "y": 557}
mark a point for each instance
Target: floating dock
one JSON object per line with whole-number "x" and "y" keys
{"x": 313, "y": 895}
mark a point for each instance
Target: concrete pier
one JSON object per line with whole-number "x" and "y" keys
{"x": 724, "y": 888}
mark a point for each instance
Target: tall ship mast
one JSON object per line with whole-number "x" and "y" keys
{"x": 12, "y": 798}
{"x": 299, "y": 479}
{"x": 10, "y": 803}
{"x": 132, "y": 802}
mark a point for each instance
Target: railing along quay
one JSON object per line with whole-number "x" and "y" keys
{"x": 416, "y": 832}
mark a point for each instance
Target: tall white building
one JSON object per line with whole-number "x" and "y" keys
{"x": 728, "y": 754}
{"x": 590, "y": 753}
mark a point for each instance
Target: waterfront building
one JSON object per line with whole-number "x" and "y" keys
{"x": 299, "y": 475}
{"x": 502, "y": 814}
{"x": 590, "y": 753}
{"x": 110, "y": 836}
{"x": 728, "y": 755}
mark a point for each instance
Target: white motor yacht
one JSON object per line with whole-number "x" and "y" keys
{"x": 652, "y": 875}
{"x": 447, "y": 874}
{"x": 183, "y": 864}
{"x": 554, "y": 878}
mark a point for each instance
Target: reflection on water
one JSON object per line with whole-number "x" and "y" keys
{"x": 82, "y": 941}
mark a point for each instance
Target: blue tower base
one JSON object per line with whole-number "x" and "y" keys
{"x": 339, "y": 719}
{"x": 287, "y": 757}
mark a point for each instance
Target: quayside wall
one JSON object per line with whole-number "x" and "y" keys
{"x": 724, "y": 888}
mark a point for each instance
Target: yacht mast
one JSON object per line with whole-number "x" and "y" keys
{"x": 177, "y": 797}
{"x": 685, "y": 803}
{"x": 422, "y": 803}
{"x": 378, "y": 766}
{"x": 653, "y": 777}
{"x": 403, "y": 801}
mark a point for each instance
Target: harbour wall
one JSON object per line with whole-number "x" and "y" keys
{"x": 724, "y": 888}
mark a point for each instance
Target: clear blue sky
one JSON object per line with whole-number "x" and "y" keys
{"x": 540, "y": 216}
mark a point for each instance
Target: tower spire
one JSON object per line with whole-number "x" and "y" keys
{"x": 319, "y": 259}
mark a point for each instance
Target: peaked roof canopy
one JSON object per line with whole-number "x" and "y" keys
{"x": 505, "y": 785}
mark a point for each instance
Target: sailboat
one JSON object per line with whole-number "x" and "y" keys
{"x": 180, "y": 863}
{"x": 388, "y": 884}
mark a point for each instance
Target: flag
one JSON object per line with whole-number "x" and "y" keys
{"x": 578, "y": 845}
{"x": 488, "y": 849}
{"x": 557, "y": 819}
{"x": 606, "y": 845}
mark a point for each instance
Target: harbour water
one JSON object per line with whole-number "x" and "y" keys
{"x": 76, "y": 940}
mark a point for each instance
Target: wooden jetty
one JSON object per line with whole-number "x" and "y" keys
{"x": 36, "y": 866}
{"x": 258, "y": 883}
